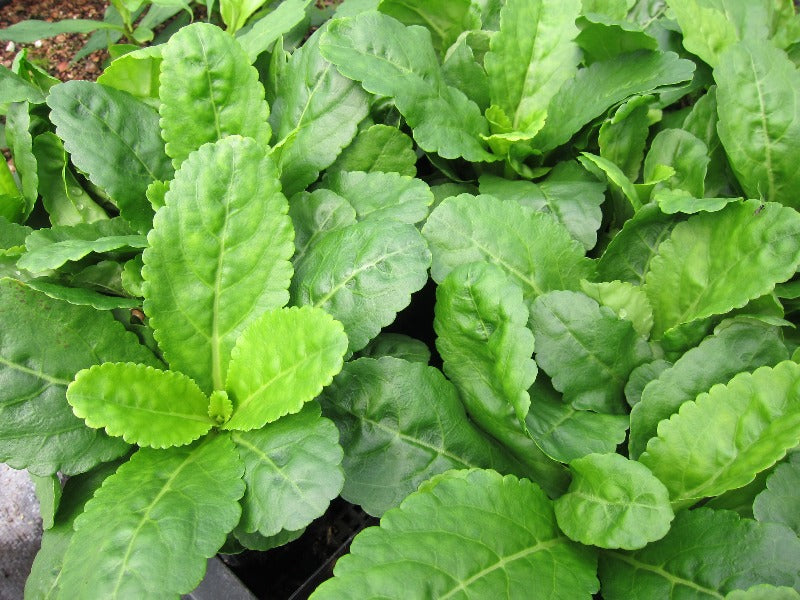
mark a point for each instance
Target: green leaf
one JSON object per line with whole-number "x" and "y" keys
{"x": 613, "y": 502}
{"x": 531, "y": 56}
{"x": 587, "y": 350}
{"x": 532, "y": 247}
{"x": 685, "y": 153}
{"x": 379, "y": 148}
{"x": 315, "y": 114}
{"x": 445, "y": 19}
{"x": 706, "y": 554}
{"x": 256, "y": 541}
{"x": 27, "y": 32}
{"x": 398, "y": 346}
{"x": 363, "y": 275}
{"x": 48, "y": 493}
{"x": 617, "y": 177}
{"x": 235, "y": 13}
{"x": 81, "y": 296}
{"x": 780, "y": 502}
{"x": 43, "y": 344}
{"x": 742, "y": 346}
{"x": 462, "y": 70}
{"x": 382, "y": 195}
{"x": 628, "y": 256}
{"x": 759, "y": 119}
{"x": 225, "y": 212}
{"x": 702, "y": 123}
{"x": 267, "y": 382}
{"x": 622, "y": 138}
{"x": 401, "y": 63}
{"x": 492, "y": 536}
{"x": 137, "y": 73}
{"x": 20, "y": 142}
{"x": 292, "y": 471}
{"x": 208, "y": 91}
{"x": 143, "y": 405}
{"x": 126, "y": 153}
{"x": 678, "y": 201}
{"x": 607, "y": 83}
{"x": 51, "y": 248}
{"x": 715, "y": 262}
{"x": 400, "y": 423}
{"x": 64, "y": 199}
{"x": 721, "y": 440}
{"x": 269, "y": 28}
{"x": 314, "y": 214}
{"x": 764, "y": 592}
{"x": 626, "y": 300}
{"x": 17, "y": 88}
{"x": 149, "y": 530}
{"x": 604, "y": 37}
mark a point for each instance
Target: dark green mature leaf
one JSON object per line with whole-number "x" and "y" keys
{"x": 26, "y": 32}
{"x": 226, "y": 215}
{"x": 51, "y": 248}
{"x": 685, "y": 153}
{"x": 400, "y": 423}
{"x": 532, "y": 247}
{"x": 587, "y": 350}
{"x": 379, "y": 148}
{"x": 531, "y": 56}
{"x": 268, "y": 381}
{"x": 208, "y": 91}
{"x": 401, "y": 63}
{"x": 445, "y": 19}
{"x": 16, "y": 88}
{"x": 269, "y": 28}
{"x": 715, "y": 262}
{"x": 63, "y": 197}
{"x": 313, "y": 214}
{"x": 721, "y": 440}
{"x": 604, "y": 37}
{"x": 315, "y": 114}
{"x": 382, "y": 195}
{"x": 292, "y": 471}
{"x": 143, "y": 405}
{"x": 780, "y": 502}
{"x": 492, "y": 536}
{"x": 706, "y": 554}
{"x": 758, "y": 95}
{"x": 607, "y": 83}
{"x": 126, "y": 153}
{"x": 123, "y": 547}
{"x": 43, "y": 343}
{"x": 741, "y": 346}
{"x": 363, "y": 275}
{"x": 622, "y": 138}
{"x": 613, "y": 502}
{"x": 20, "y": 142}
{"x": 462, "y": 70}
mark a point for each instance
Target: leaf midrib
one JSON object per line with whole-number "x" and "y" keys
{"x": 658, "y": 570}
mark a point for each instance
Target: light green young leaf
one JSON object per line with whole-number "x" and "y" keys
{"x": 741, "y": 346}
{"x": 764, "y": 591}
{"x": 397, "y": 345}
{"x": 20, "y": 143}
{"x": 613, "y": 502}
{"x": 143, "y": 405}
{"x": 780, "y": 502}
{"x": 706, "y": 554}
{"x": 269, "y": 28}
{"x": 532, "y": 247}
{"x": 626, "y": 300}
{"x": 43, "y": 344}
{"x": 363, "y": 275}
{"x": 63, "y": 197}
{"x": 48, "y": 493}
{"x": 382, "y": 195}
{"x": 758, "y": 96}
{"x": 445, "y": 19}
{"x": 679, "y": 201}
{"x": 401, "y": 63}
{"x": 16, "y": 88}
{"x": 685, "y": 153}
{"x": 604, "y": 37}
{"x": 137, "y": 73}
{"x": 256, "y": 541}
{"x": 607, "y": 83}
{"x": 51, "y": 248}
{"x": 303, "y": 352}
{"x": 235, "y": 13}
{"x": 315, "y": 114}
{"x": 220, "y": 407}
{"x": 492, "y": 536}
{"x": 531, "y": 56}
{"x": 127, "y": 152}
{"x": 379, "y": 148}
{"x": 314, "y": 214}
{"x": 587, "y": 350}
{"x": 27, "y": 32}
{"x": 724, "y": 438}
{"x": 400, "y": 423}
{"x": 292, "y": 471}
{"x": 702, "y": 123}
{"x": 462, "y": 70}
{"x": 715, "y": 262}
{"x": 225, "y": 213}
{"x": 123, "y": 547}
{"x": 617, "y": 177}
{"x": 208, "y": 91}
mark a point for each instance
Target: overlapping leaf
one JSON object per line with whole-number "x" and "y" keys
{"x": 780, "y": 502}
{"x": 225, "y": 219}
{"x": 445, "y": 19}
{"x": 379, "y": 148}
{"x": 313, "y": 214}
